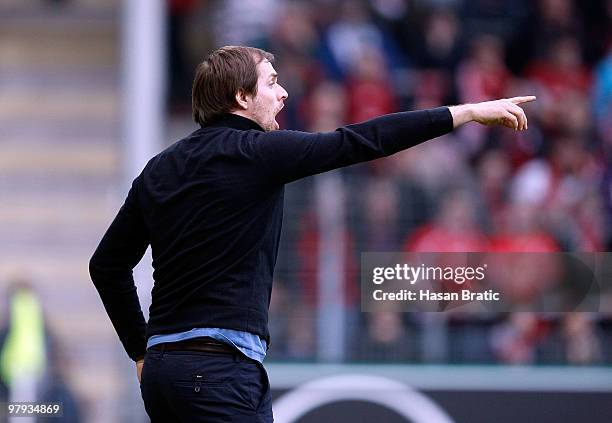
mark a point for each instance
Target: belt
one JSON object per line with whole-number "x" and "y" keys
{"x": 205, "y": 344}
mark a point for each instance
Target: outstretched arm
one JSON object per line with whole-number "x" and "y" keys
{"x": 291, "y": 155}
{"x": 506, "y": 112}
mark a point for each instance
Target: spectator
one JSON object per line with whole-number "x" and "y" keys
{"x": 582, "y": 345}
{"x": 602, "y": 90}
{"x": 386, "y": 339}
{"x": 493, "y": 173}
{"x": 32, "y": 366}
{"x": 437, "y": 56}
{"x": 454, "y": 229}
{"x": 351, "y": 37}
{"x": 516, "y": 340}
{"x": 295, "y": 41}
{"x": 379, "y": 228}
{"x": 308, "y": 250}
{"x": 441, "y": 42}
{"x": 561, "y": 77}
{"x": 483, "y": 74}
{"x": 554, "y": 19}
{"x": 244, "y": 22}
{"x": 370, "y": 94}
{"x": 23, "y": 354}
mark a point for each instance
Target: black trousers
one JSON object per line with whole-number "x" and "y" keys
{"x": 193, "y": 386}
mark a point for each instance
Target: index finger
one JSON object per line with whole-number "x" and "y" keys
{"x": 524, "y": 99}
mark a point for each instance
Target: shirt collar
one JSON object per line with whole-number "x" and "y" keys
{"x": 231, "y": 120}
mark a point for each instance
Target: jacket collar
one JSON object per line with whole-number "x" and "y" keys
{"x": 230, "y": 120}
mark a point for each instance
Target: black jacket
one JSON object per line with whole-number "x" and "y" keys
{"x": 211, "y": 207}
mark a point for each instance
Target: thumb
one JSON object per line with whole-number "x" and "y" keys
{"x": 139, "y": 366}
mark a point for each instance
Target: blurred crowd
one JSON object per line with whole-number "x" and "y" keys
{"x": 548, "y": 189}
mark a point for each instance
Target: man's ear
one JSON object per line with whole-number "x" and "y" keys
{"x": 241, "y": 99}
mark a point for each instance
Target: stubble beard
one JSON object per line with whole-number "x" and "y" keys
{"x": 268, "y": 124}
{"x": 271, "y": 126}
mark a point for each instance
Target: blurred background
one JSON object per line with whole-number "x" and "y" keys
{"x": 90, "y": 89}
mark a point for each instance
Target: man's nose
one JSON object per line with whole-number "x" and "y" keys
{"x": 283, "y": 93}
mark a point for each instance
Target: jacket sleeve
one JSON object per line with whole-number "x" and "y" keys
{"x": 290, "y": 155}
{"x": 110, "y": 267}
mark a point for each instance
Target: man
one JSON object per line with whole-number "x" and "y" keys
{"x": 211, "y": 207}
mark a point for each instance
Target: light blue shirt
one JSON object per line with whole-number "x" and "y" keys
{"x": 247, "y": 343}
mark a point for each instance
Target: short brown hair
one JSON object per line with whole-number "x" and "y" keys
{"x": 219, "y": 77}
